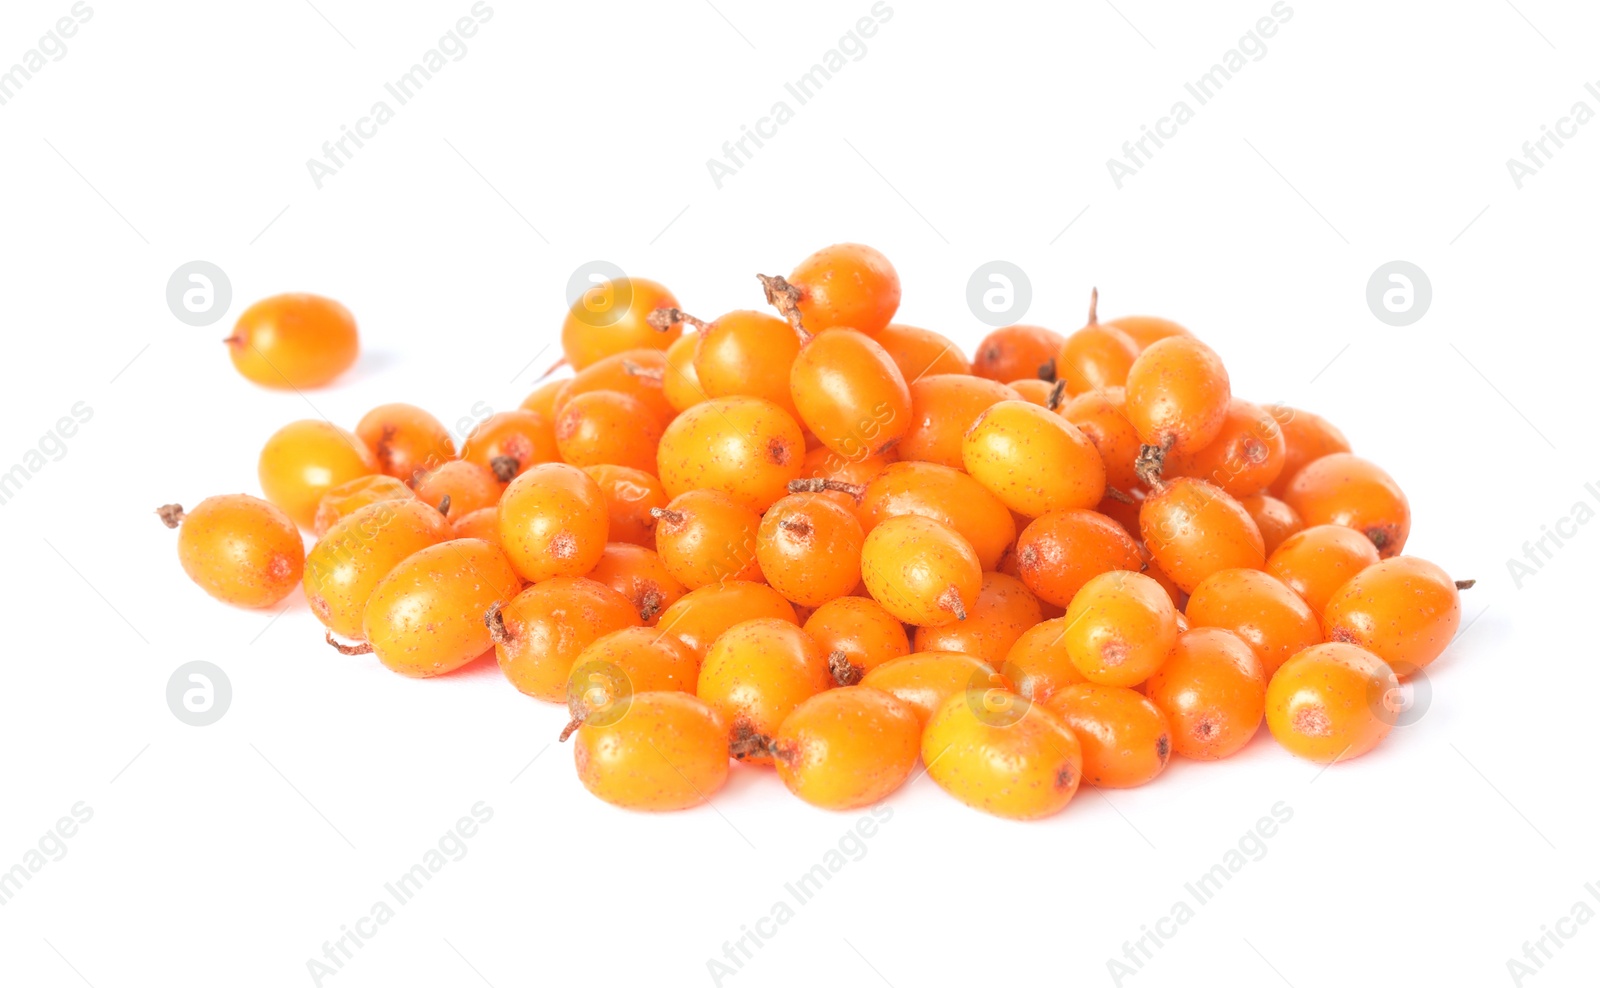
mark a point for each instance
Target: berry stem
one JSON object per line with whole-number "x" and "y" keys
{"x": 505, "y": 468}
{"x": 1058, "y": 394}
{"x": 363, "y": 648}
{"x": 662, "y": 320}
{"x": 845, "y": 672}
{"x": 1094, "y": 307}
{"x": 444, "y": 505}
{"x": 653, "y": 374}
{"x": 786, "y": 299}
{"x": 170, "y": 514}
{"x": 950, "y": 600}
{"x": 1466, "y": 584}
{"x": 816, "y": 485}
{"x": 1149, "y": 462}
{"x": 1047, "y": 371}
{"x": 496, "y": 623}
{"x": 572, "y": 726}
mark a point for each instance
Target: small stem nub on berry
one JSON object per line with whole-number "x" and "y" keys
{"x": 363, "y": 648}
{"x": 1047, "y": 371}
{"x": 669, "y": 316}
{"x": 572, "y": 726}
{"x": 1058, "y": 394}
{"x": 170, "y": 514}
{"x": 785, "y": 298}
{"x": 1149, "y": 462}
{"x": 667, "y": 514}
{"x": 653, "y": 374}
{"x": 816, "y": 485}
{"x": 1094, "y": 307}
{"x": 496, "y": 623}
{"x": 505, "y": 468}
{"x": 950, "y": 600}
{"x": 845, "y": 672}
{"x": 444, "y": 505}
{"x": 1466, "y": 584}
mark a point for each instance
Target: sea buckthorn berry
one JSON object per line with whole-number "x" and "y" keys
{"x": 1004, "y": 610}
{"x": 1012, "y": 352}
{"x": 553, "y": 522}
{"x": 1276, "y": 520}
{"x": 1317, "y": 561}
{"x": 857, "y": 635}
{"x": 606, "y": 675}
{"x": 707, "y": 537}
{"x": 612, "y": 317}
{"x": 483, "y": 523}
{"x": 1260, "y": 609}
{"x": 1306, "y": 437}
{"x": 680, "y": 382}
{"x": 851, "y": 476}
{"x": 1153, "y": 570}
{"x": 747, "y": 353}
{"x": 304, "y": 460}
{"x": 607, "y": 427}
{"x": 847, "y": 747}
{"x": 405, "y": 439}
{"x": 921, "y": 352}
{"x": 239, "y": 549}
{"x": 538, "y": 634}
{"x": 1021, "y": 766}
{"x": 1244, "y": 459}
{"x": 1145, "y": 330}
{"x": 925, "y": 680}
{"x": 1342, "y": 489}
{"x": 341, "y": 501}
{"x": 809, "y": 549}
{"x": 294, "y": 341}
{"x": 639, "y": 373}
{"x": 1057, "y": 553}
{"x": 507, "y": 443}
{"x": 1038, "y": 664}
{"x": 1033, "y": 390}
{"x": 1326, "y": 703}
{"x": 456, "y": 488}
{"x": 921, "y": 571}
{"x": 426, "y": 618}
{"x": 748, "y": 448}
{"x": 1177, "y": 395}
{"x": 1214, "y": 692}
{"x": 347, "y": 563}
{"x": 1120, "y": 628}
{"x": 945, "y": 495}
{"x": 669, "y": 751}
{"x": 943, "y": 407}
{"x": 1404, "y": 610}
{"x": 850, "y": 394}
{"x": 1032, "y": 459}
{"x": 543, "y": 399}
{"x": 1194, "y": 529}
{"x": 629, "y": 494}
{"x": 700, "y": 617}
{"x": 639, "y": 575}
{"x": 756, "y": 673}
{"x": 842, "y": 285}
{"x": 1096, "y": 356}
{"x": 1126, "y": 739}
{"x": 1101, "y": 415}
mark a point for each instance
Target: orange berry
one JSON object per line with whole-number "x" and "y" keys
{"x": 848, "y": 285}
{"x": 1343, "y": 489}
{"x": 748, "y": 448}
{"x": 342, "y": 500}
{"x": 347, "y": 563}
{"x": 823, "y": 463}
{"x": 857, "y": 635}
{"x": 1404, "y": 610}
{"x": 1306, "y": 437}
{"x": 507, "y": 443}
{"x": 847, "y": 747}
{"x": 1276, "y": 520}
{"x": 1193, "y": 529}
{"x": 921, "y": 571}
{"x": 944, "y": 495}
{"x": 747, "y": 353}
{"x": 1003, "y": 755}
{"x": 629, "y": 494}
{"x": 925, "y": 680}
{"x": 700, "y": 616}
{"x": 943, "y": 408}
{"x": 1057, "y": 553}
{"x": 755, "y": 674}
{"x": 1095, "y": 357}
{"x": 1327, "y": 703}
{"x": 543, "y": 399}
{"x": 539, "y": 634}
{"x": 1101, "y": 415}
{"x": 1012, "y": 352}
{"x": 239, "y": 549}
{"x": 553, "y": 522}
{"x": 469, "y": 487}
{"x": 1145, "y": 330}
{"x": 1004, "y": 610}
{"x": 1246, "y": 456}
{"x": 638, "y": 373}
{"x": 669, "y": 751}
{"x": 639, "y": 575}
{"x": 1032, "y": 459}
{"x": 612, "y": 317}
{"x": 1126, "y": 739}
{"x": 294, "y": 341}
{"x": 1033, "y": 390}
{"x": 1259, "y": 608}
{"x": 426, "y": 618}
{"x": 850, "y": 394}
{"x": 809, "y": 549}
{"x": 406, "y": 440}
{"x": 484, "y": 523}
{"x": 680, "y": 382}
{"x": 921, "y": 352}
{"x": 614, "y": 667}
{"x": 304, "y": 460}
{"x": 607, "y": 427}
{"x": 707, "y": 537}
{"x": 1038, "y": 663}
{"x": 1120, "y": 628}
{"x": 1214, "y": 692}
{"x": 1317, "y": 561}
{"x": 1177, "y": 394}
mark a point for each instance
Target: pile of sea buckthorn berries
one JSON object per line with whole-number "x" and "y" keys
{"x": 825, "y": 542}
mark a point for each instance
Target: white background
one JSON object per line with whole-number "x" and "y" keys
{"x": 569, "y": 132}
